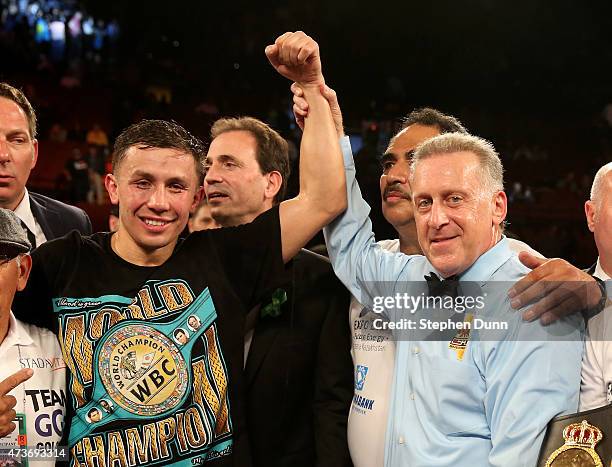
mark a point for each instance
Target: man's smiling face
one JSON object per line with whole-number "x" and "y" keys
{"x": 457, "y": 216}
{"x": 156, "y": 190}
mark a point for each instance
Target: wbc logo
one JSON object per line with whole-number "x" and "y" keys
{"x": 142, "y": 370}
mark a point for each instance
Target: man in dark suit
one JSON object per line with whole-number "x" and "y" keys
{"x": 297, "y": 344}
{"x": 42, "y": 217}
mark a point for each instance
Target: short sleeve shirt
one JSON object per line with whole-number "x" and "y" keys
{"x": 154, "y": 354}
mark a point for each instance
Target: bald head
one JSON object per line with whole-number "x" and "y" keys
{"x": 602, "y": 180}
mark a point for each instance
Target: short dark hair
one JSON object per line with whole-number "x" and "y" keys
{"x": 272, "y": 149}
{"x": 159, "y": 134}
{"x": 428, "y": 116}
{"x": 13, "y": 94}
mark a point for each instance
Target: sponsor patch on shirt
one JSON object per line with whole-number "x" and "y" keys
{"x": 460, "y": 341}
{"x": 360, "y": 375}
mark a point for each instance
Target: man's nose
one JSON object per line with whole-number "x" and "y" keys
{"x": 213, "y": 175}
{"x": 398, "y": 173}
{"x": 4, "y": 151}
{"x": 437, "y": 216}
{"x": 158, "y": 200}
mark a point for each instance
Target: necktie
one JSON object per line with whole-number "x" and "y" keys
{"x": 439, "y": 288}
{"x": 30, "y": 234}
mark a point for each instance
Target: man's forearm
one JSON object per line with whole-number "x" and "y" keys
{"x": 322, "y": 182}
{"x": 322, "y": 193}
{"x": 362, "y": 265}
{"x": 322, "y": 187}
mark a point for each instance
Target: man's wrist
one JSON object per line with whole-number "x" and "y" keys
{"x": 312, "y": 86}
{"x": 601, "y": 304}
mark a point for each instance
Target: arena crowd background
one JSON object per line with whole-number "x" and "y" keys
{"x": 534, "y": 77}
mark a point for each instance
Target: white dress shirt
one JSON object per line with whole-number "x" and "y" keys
{"x": 596, "y": 382}
{"x": 599, "y": 272}
{"x": 24, "y": 212}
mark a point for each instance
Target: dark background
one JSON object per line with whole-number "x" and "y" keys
{"x": 533, "y": 77}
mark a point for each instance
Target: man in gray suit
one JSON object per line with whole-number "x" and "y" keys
{"x": 42, "y": 217}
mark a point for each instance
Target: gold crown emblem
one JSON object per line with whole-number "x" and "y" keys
{"x": 579, "y": 447}
{"x": 582, "y": 434}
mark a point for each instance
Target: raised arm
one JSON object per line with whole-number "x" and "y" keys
{"x": 322, "y": 193}
{"x": 300, "y": 107}
{"x": 365, "y": 268}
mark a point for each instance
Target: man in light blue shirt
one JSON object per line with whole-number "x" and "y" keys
{"x": 460, "y": 397}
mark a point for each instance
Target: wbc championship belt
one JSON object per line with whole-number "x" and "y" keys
{"x": 143, "y": 368}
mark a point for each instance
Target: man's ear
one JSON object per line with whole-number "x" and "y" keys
{"x": 275, "y": 181}
{"x": 35, "y": 153}
{"x": 23, "y": 271}
{"x": 110, "y": 182}
{"x": 500, "y": 207}
{"x": 591, "y": 214}
{"x": 197, "y": 197}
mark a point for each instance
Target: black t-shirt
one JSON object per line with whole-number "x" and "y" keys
{"x": 155, "y": 353}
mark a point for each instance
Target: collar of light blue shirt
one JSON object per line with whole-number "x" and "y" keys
{"x": 489, "y": 262}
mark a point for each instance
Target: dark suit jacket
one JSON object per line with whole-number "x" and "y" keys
{"x": 299, "y": 373}
{"x": 56, "y": 219}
